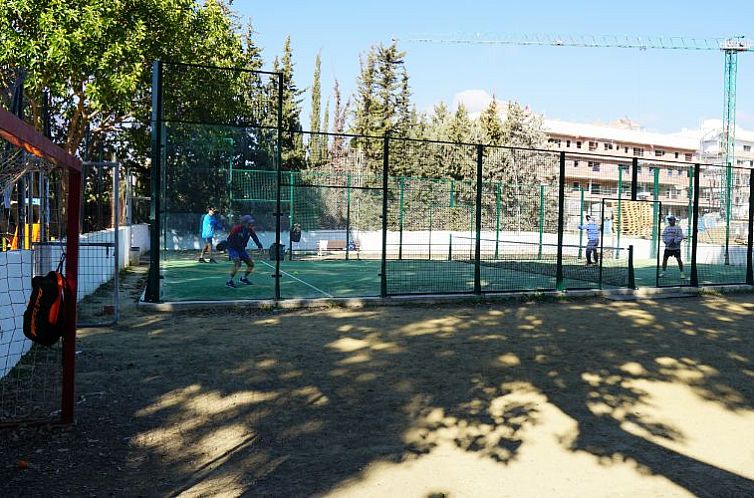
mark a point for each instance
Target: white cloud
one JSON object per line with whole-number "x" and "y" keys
{"x": 475, "y": 101}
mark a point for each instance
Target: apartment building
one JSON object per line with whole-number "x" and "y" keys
{"x": 599, "y": 157}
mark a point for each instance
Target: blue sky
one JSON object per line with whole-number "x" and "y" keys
{"x": 662, "y": 90}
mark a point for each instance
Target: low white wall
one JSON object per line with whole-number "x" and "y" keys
{"x": 371, "y": 241}
{"x": 15, "y": 290}
{"x": 96, "y": 267}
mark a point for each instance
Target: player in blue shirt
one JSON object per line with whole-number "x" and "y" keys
{"x": 209, "y": 225}
{"x": 592, "y": 238}
{"x": 237, "y": 240}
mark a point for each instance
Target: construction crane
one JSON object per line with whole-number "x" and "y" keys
{"x": 730, "y": 47}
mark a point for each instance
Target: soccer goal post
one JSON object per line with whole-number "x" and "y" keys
{"x": 39, "y": 219}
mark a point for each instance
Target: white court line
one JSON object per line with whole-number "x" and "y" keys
{"x": 299, "y": 280}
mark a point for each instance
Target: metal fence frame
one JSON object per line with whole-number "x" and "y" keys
{"x": 389, "y": 143}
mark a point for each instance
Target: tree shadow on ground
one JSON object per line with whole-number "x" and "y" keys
{"x": 302, "y": 403}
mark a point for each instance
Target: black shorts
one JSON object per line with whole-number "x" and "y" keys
{"x": 673, "y": 253}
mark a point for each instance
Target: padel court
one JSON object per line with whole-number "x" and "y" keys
{"x": 185, "y": 279}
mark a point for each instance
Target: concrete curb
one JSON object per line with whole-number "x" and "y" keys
{"x": 288, "y": 304}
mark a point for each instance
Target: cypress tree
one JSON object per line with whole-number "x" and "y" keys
{"x": 339, "y": 121}
{"x": 325, "y": 139}
{"x": 314, "y": 118}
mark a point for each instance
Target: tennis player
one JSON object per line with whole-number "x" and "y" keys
{"x": 209, "y": 226}
{"x": 592, "y": 238}
{"x": 237, "y": 240}
{"x": 672, "y": 236}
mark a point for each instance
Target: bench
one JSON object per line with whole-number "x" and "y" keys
{"x": 335, "y": 245}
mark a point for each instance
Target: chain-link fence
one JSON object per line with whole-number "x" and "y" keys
{"x": 343, "y": 215}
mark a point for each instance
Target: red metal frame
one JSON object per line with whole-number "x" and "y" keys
{"x": 23, "y": 135}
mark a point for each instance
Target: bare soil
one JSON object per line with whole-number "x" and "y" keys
{"x": 575, "y": 398}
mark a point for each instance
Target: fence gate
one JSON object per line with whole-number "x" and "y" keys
{"x": 99, "y": 245}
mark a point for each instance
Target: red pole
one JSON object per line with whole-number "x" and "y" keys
{"x": 71, "y": 273}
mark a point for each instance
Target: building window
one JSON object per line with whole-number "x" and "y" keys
{"x": 625, "y": 150}
{"x": 578, "y": 145}
{"x": 576, "y": 186}
{"x": 747, "y": 148}
{"x": 676, "y": 155}
{"x": 596, "y": 187}
{"x": 638, "y": 151}
{"x": 608, "y": 146}
{"x": 687, "y": 156}
{"x": 555, "y": 142}
{"x": 638, "y": 170}
{"x": 659, "y": 153}
{"x": 670, "y": 172}
{"x": 593, "y": 145}
{"x": 594, "y": 165}
{"x": 568, "y": 143}
{"x": 575, "y": 164}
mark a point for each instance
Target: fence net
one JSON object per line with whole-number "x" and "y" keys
{"x": 350, "y": 216}
{"x": 33, "y": 224}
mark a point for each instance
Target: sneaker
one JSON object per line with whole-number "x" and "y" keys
{"x": 212, "y": 260}
{"x": 230, "y": 284}
{"x": 244, "y": 281}
{"x": 202, "y": 260}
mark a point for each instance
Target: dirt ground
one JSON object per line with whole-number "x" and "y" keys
{"x": 577, "y": 398}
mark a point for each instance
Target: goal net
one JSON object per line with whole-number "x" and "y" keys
{"x": 40, "y": 186}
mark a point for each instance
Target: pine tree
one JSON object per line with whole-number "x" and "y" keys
{"x": 460, "y": 131}
{"x": 293, "y": 143}
{"x": 314, "y": 118}
{"x": 364, "y": 100}
{"x": 490, "y": 125}
{"x": 377, "y": 97}
{"x": 438, "y": 122}
{"x": 519, "y": 172}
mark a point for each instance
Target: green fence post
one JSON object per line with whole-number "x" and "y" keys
{"x": 581, "y": 220}
{"x": 559, "y": 281}
{"x": 728, "y": 193}
{"x": 478, "y": 240}
{"x": 655, "y": 213}
{"x": 541, "y": 218}
{"x": 695, "y": 229}
{"x": 634, "y": 178}
{"x": 497, "y": 219}
{"x": 631, "y": 271}
{"x": 152, "y": 293}
{"x": 690, "y": 194}
{"x": 348, "y": 215}
{"x": 290, "y": 215}
{"x": 279, "y": 181}
{"x": 383, "y": 263}
{"x": 450, "y": 247}
{"x": 429, "y": 241}
{"x": 618, "y": 218}
{"x": 750, "y": 238}
{"x": 400, "y": 218}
